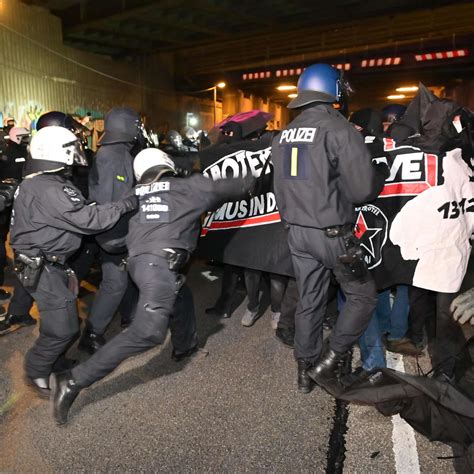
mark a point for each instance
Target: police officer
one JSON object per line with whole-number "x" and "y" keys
{"x": 49, "y": 216}
{"x": 111, "y": 178}
{"x": 322, "y": 169}
{"x": 21, "y": 302}
{"x": 11, "y": 168}
{"x": 161, "y": 238}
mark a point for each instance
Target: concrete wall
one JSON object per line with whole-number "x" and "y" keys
{"x": 38, "y": 73}
{"x": 230, "y": 101}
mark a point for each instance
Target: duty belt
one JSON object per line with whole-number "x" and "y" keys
{"x": 177, "y": 258}
{"x": 338, "y": 230}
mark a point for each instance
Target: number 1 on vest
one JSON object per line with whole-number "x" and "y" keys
{"x": 294, "y": 162}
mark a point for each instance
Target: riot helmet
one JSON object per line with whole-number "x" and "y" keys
{"x": 151, "y": 164}
{"x": 56, "y": 119}
{"x": 54, "y": 149}
{"x": 393, "y": 113}
{"x": 60, "y": 119}
{"x": 19, "y": 135}
{"x": 121, "y": 125}
{"x": 320, "y": 83}
{"x": 175, "y": 139}
{"x": 190, "y": 134}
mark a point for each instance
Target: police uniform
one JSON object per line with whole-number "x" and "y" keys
{"x": 49, "y": 216}
{"x": 161, "y": 237}
{"x": 322, "y": 168}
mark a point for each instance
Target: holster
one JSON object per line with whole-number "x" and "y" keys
{"x": 353, "y": 259}
{"x": 28, "y": 270}
{"x": 72, "y": 281}
{"x": 177, "y": 258}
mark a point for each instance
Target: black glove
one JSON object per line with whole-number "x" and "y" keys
{"x": 249, "y": 185}
{"x": 129, "y": 202}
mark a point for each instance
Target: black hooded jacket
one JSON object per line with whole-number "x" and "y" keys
{"x": 110, "y": 178}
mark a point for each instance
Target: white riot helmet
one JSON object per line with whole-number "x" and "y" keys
{"x": 54, "y": 148}
{"x": 155, "y": 161}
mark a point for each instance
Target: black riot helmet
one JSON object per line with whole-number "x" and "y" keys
{"x": 60, "y": 119}
{"x": 56, "y": 119}
{"x": 121, "y": 125}
{"x": 175, "y": 139}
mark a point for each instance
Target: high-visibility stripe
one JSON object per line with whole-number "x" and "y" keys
{"x": 294, "y": 162}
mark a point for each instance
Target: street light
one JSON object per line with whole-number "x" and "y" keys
{"x": 286, "y": 88}
{"x": 219, "y": 85}
{"x": 407, "y": 89}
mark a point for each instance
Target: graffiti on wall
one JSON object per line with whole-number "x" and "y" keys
{"x": 27, "y": 114}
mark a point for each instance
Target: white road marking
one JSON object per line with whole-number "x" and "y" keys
{"x": 209, "y": 276}
{"x": 403, "y": 436}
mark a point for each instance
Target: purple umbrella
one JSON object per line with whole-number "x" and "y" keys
{"x": 249, "y": 122}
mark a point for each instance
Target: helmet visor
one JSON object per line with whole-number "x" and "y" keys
{"x": 78, "y": 155}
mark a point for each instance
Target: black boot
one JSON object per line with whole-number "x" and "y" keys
{"x": 305, "y": 384}
{"x": 64, "y": 391}
{"x": 327, "y": 371}
{"x": 40, "y": 385}
{"x": 90, "y": 342}
{"x": 285, "y": 336}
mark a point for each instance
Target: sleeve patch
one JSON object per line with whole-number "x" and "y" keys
{"x": 121, "y": 178}
{"x": 72, "y": 194}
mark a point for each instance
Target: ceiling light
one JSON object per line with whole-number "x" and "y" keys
{"x": 396, "y": 96}
{"x": 221, "y": 85}
{"x": 292, "y": 96}
{"x": 407, "y": 89}
{"x": 286, "y": 88}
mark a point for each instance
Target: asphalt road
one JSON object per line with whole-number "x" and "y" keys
{"x": 236, "y": 410}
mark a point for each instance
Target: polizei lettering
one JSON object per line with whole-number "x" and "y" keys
{"x": 160, "y": 186}
{"x": 298, "y": 135}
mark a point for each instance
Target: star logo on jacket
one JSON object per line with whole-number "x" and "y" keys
{"x": 371, "y": 230}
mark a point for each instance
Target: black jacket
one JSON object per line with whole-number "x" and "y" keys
{"x": 170, "y": 210}
{"x": 322, "y": 169}
{"x": 13, "y": 161}
{"x": 50, "y": 214}
{"x": 110, "y": 178}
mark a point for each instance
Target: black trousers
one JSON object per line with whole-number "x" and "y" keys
{"x": 4, "y": 228}
{"x": 277, "y": 289}
{"x": 230, "y": 279}
{"x": 289, "y": 304}
{"x": 314, "y": 256}
{"x": 162, "y": 303}
{"x": 59, "y": 324}
{"x": 21, "y": 301}
{"x": 111, "y": 291}
{"x": 445, "y": 337}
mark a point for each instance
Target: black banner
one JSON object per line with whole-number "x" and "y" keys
{"x": 247, "y": 233}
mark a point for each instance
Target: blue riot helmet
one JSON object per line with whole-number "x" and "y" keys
{"x": 393, "y": 113}
{"x": 320, "y": 83}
